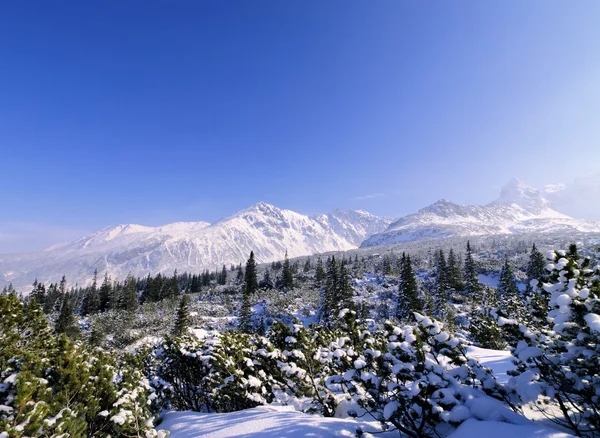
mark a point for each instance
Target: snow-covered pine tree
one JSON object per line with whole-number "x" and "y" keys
{"x": 454, "y": 275}
{"x": 182, "y": 317}
{"x": 471, "y": 279}
{"x": 441, "y": 286}
{"x": 558, "y": 362}
{"x": 287, "y": 276}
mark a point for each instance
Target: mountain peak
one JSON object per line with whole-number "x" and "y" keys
{"x": 522, "y": 194}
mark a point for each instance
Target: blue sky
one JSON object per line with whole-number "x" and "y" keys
{"x": 157, "y": 111}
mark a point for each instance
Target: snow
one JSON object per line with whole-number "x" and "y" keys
{"x": 593, "y": 321}
{"x": 495, "y": 429}
{"x": 500, "y": 362}
{"x": 193, "y": 246}
{"x": 264, "y": 422}
{"x": 520, "y": 209}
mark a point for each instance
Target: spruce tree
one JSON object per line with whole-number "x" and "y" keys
{"x": 250, "y": 278}
{"x": 128, "y": 298}
{"x": 249, "y": 288}
{"x": 329, "y": 290}
{"x": 344, "y": 292}
{"x": 441, "y": 287}
{"x": 39, "y": 293}
{"x": 454, "y": 275}
{"x": 65, "y": 323}
{"x": 536, "y": 268}
{"x": 91, "y": 300}
{"x": 319, "y": 273}
{"x": 287, "y": 276}
{"x": 408, "y": 299}
{"x": 105, "y": 293}
{"x": 182, "y": 319}
{"x": 509, "y": 294}
{"x": 471, "y": 279}
{"x": 223, "y": 277}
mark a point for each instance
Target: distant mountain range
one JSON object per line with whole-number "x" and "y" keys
{"x": 193, "y": 246}
{"x": 519, "y": 209}
{"x": 270, "y": 232}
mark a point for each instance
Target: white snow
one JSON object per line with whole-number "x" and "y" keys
{"x": 499, "y": 361}
{"x": 267, "y": 230}
{"x": 495, "y": 429}
{"x": 593, "y": 321}
{"x": 264, "y": 422}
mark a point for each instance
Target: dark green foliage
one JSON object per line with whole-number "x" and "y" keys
{"x": 54, "y": 387}
{"x": 536, "y": 266}
{"x": 105, "y": 293}
{"x": 319, "y": 273}
{"x": 182, "y": 318}
{"x": 128, "y": 300}
{"x": 471, "y": 279}
{"x": 408, "y": 292}
{"x": 454, "y": 276}
{"x": 250, "y": 278}
{"x": 287, "y": 276}
{"x": 65, "y": 323}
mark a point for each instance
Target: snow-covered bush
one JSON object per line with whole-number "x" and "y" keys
{"x": 223, "y": 372}
{"x": 559, "y": 362}
{"x": 54, "y": 387}
{"x": 416, "y": 377}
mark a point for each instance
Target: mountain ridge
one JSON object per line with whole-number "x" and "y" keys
{"x": 520, "y": 208}
{"x": 267, "y": 230}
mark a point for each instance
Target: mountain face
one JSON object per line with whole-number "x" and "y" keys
{"x": 193, "y": 246}
{"x": 519, "y": 209}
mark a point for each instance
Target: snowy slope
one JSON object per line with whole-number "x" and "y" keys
{"x": 519, "y": 209}
{"x": 192, "y": 246}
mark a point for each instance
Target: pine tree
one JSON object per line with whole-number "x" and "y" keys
{"x": 319, "y": 273}
{"x": 408, "y": 299}
{"x": 471, "y": 279}
{"x": 441, "y": 287}
{"x": 65, "y": 323}
{"x": 105, "y": 294}
{"x": 249, "y": 288}
{"x": 454, "y": 275}
{"x": 91, "y": 300}
{"x": 182, "y": 319}
{"x": 39, "y": 293}
{"x": 240, "y": 274}
{"x": 250, "y": 278}
{"x": 536, "y": 268}
{"x": 223, "y": 277}
{"x": 344, "y": 291}
{"x": 287, "y": 276}
{"x": 508, "y": 293}
{"x": 128, "y": 298}
{"x": 306, "y": 266}
{"x": 266, "y": 282}
{"x": 331, "y": 285}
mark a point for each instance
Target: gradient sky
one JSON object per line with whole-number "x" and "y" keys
{"x": 158, "y": 111}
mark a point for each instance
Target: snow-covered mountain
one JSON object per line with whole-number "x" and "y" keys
{"x": 193, "y": 246}
{"x": 519, "y": 209}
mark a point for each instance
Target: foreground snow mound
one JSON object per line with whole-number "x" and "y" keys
{"x": 495, "y": 429}
{"x": 264, "y": 422}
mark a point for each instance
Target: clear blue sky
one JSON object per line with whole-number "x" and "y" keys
{"x": 159, "y": 111}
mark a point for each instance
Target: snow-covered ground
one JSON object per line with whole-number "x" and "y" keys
{"x": 264, "y": 422}
{"x": 284, "y": 421}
